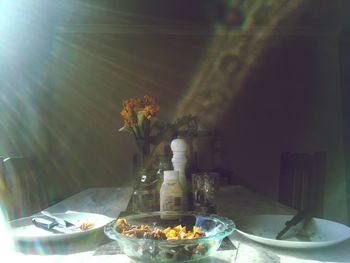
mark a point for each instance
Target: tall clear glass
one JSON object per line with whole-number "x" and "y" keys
{"x": 205, "y": 187}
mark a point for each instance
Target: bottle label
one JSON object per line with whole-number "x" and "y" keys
{"x": 172, "y": 203}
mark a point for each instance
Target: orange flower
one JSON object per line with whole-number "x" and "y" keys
{"x": 150, "y": 111}
{"x": 132, "y": 107}
{"x": 132, "y": 103}
{"x": 127, "y": 114}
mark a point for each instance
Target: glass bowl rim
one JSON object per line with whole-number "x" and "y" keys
{"x": 228, "y": 224}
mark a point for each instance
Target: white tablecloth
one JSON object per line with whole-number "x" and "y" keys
{"x": 234, "y": 202}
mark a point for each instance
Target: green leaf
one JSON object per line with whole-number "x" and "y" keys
{"x": 140, "y": 118}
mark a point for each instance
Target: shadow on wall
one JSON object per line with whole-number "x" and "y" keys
{"x": 271, "y": 114}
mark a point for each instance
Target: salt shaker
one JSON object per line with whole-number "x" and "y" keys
{"x": 179, "y": 160}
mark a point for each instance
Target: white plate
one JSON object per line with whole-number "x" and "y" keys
{"x": 264, "y": 228}
{"x": 24, "y": 230}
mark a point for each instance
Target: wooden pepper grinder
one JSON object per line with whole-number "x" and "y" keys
{"x": 179, "y": 160}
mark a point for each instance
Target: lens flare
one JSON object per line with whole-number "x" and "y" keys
{"x": 7, "y": 247}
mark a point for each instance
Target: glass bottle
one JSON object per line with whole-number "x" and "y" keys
{"x": 164, "y": 165}
{"x": 171, "y": 194}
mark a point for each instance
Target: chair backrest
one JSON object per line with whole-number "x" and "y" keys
{"x": 22, "y": 194}
{"x": 301, "y": 184}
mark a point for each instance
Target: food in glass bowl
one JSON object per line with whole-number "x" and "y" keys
{"x": 169, "y": 236}
{"x": 147, "y": 232}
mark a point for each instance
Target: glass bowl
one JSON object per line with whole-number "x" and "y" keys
{"x": 216, "y": 228}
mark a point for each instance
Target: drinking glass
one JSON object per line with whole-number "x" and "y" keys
{"x": 205, "y": 186}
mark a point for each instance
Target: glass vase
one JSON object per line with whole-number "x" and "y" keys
{"x": 144, "y": 197}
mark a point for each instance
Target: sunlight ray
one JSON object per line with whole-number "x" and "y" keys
{"x": 230, "y": 60}
{"x": 128, "y": 16}
{"x": 122, "y": 68}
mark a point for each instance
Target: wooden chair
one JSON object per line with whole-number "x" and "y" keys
{"x": 21, "y": 191}
{"x": 301, "y": 184}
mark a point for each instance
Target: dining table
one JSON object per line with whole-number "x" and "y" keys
{"x": 234, "y": 202}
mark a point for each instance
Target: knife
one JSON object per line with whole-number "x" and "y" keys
{"x": 62, "y": 222}
{"x": 48, "y": 225}
{"x": 295, "y": 220}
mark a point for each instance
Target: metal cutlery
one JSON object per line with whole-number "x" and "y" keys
{"x": 62, "y": 222}
{"x": 54, "y": 224}
{"x": 294, "y": 221}
{"x": 48, "y": 225}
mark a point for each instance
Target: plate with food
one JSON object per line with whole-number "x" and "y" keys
{"x": 57, "y": 226}
{"x": 169, "y": 236}
{"x": 317, "y": 233}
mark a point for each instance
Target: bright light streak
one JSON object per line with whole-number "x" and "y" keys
{"x": 12, "y": 28}
{"x": 6, "y": 241}
{"x": 10, "y": 21}
{"x": 6, "y": 13}
{"x": 8, "y": 16}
